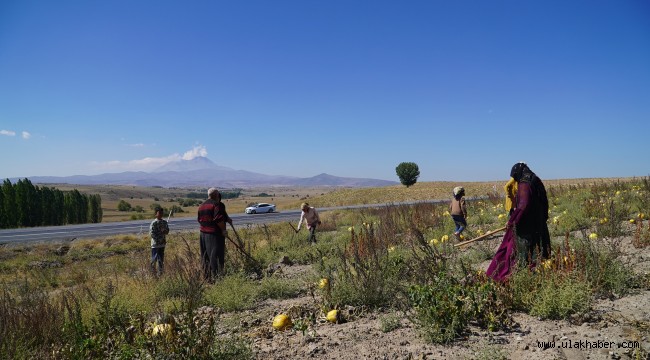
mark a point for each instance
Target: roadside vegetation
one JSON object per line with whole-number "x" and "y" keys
{"x": 24, "y": 205}
{"x": 97, "y": 298}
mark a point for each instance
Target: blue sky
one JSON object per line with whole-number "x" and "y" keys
{"x": 352, "y": 88}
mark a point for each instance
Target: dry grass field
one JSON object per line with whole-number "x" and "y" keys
{"x": 401, "y": 287}
{"x": 283, "y": 197}
{"x": 290, "y": 198}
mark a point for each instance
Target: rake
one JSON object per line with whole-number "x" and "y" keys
{"x": 489, "y": 233}
{"x": 239, "y": 244}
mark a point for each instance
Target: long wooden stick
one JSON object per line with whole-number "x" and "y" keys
{"x": 241, "y": 243}
{"x": 240, "y": 246}
{"x": 480, "y": 237}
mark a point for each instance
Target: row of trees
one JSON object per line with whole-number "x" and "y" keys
{"x": 24, "y": 205}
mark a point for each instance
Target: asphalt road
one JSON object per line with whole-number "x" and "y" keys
{"x": 71, "y": 232}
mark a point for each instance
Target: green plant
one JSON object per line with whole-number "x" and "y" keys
{"x": 29, "y": 318}
{"x": 278, "y": 288}
{"x": 389, "y": 323}
{"x": 557, "y": 299}
{"x": 231, "y": 348}
{"x": 599, "y": 263}
{"x": 232, "y": 293}
{"x": 446, "y": 306}
{"x": 365, "y": 273}
{"x": 554, "y": 296}
{"x": 491, "y": 352}
{"x": 301, "y": 325}
{"x": 123, "y": 206}
{"x": 439, "y": 309}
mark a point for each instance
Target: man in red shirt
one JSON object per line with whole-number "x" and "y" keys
{"x": 212, "y": 217}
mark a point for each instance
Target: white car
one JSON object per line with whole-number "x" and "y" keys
{"x": 260, "y": 208}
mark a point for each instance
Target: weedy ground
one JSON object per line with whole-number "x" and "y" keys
{"x": 403, "y": 290}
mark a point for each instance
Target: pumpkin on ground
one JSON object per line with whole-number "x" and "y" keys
{"x": 163, "y": 330}
{"x": 334, "y": 316}
{"x": 282, "y": 322}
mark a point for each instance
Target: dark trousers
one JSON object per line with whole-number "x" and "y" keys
{"x": 312, "y": 234}
{"x": 460, "y": 222}
{"x": 545, "y": 242}
{"x": 212, "y": 254}
{"x": 158, "y": 256}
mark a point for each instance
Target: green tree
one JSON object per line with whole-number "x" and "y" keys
{"x": 59, "y": 207}
{"x": 47, "y": 206}
{"x": 123, "y": 206}
{"x": 71, "y": 208}
{"x": 95, "y": 213}
{"x": 82, "y": 202}
{"x": 408, "y": 173}
{"x": 28, "y": 202}
{"x": 10, "y": 206}
{"x": 2, "y": 210}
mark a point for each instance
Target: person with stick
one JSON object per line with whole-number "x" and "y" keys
{"x": 526, "y": 230}
{"x": 158, "y": 231}
{"x": 310, "y": 216}
{"x": 458, "y": 211}
{"x": 212, "y": 217}
{"x": 530, "y": 215}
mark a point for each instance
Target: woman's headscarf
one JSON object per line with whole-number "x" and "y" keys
{"x": 518, "y": 171}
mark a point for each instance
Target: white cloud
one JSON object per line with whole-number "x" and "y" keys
{"x": 7, "y": 133}
{"x": 196, "y": 152}
{"x": 148, "y": 163}
{"x": 139, "y": 145}
{"x": 26, "y": 135}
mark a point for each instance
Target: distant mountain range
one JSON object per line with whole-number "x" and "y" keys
{"x": 201, "y": 171}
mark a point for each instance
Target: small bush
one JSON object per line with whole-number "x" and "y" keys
{"x": 445, "y": 308}
{"x": 277, "y": 288}
{"x": 365, "y": 273}
{"x": 558, "y": 298}
{"x": 123, "y": 206}
{"x": 439, "y": 310}
{"x": 232, "y": 293}
{"x": 389, "y": 323}
{"x": 549, "y": 296}
{"x": 231, "y": 348}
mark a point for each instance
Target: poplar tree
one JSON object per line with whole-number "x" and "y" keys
{"x": 10, "y": 206}
{"x": 2, "y": 210}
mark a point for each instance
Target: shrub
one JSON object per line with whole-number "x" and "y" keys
{"x": 365, "y": 273}
{"x": 445, "y": 307}
{"x": 232, "y": 293}
{"x": 389, "y": 323}
{"x": 548, "y": 294}
{"x": 599, "y": 263}
{"x": 439, "y": 310}
{"x": 278, "y": 288}
{"x": 123, "y": 206}
{"x": 558, "y": 298}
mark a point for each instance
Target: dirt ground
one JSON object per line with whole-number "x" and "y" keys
{"x": 613, "y": 324}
